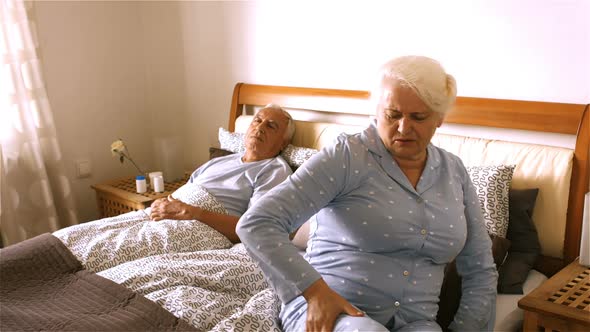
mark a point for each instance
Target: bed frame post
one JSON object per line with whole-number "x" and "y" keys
{"x": 236, "y": 107}
{"x": 579, "y": 185}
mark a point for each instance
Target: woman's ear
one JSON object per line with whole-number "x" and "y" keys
{"x": 441, "y": 119}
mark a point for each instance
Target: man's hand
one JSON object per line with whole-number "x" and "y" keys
{"x": 171, "y": 208}
{"x": 324, "y": 306}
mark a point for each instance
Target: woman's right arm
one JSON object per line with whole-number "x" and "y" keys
{"x": 265, "y": 227}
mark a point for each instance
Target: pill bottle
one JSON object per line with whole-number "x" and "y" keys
{"x": 158, "y": 183}
{"x": 140, "y": 184}
{"x": 151, "y": 177}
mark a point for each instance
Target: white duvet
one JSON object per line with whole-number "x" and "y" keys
{"x": 187, "y": 267}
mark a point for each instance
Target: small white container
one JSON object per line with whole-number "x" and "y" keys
{"x": 158, "y": 183}
{"x": 151, "y": 176}
{"x": 140, "y": 184}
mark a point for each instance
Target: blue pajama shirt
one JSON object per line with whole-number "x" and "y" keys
{"x": 376, "y": 240}
{"x": 237, "y": 184}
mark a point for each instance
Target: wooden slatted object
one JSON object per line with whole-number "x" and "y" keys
{"x": 119, "y": 196}
{"x": 560, "y": 304}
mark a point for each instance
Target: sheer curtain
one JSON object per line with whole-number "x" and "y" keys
{"x": 35, "y": 194}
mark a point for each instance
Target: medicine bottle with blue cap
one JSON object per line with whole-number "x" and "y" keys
{"x": 140, "y": 184}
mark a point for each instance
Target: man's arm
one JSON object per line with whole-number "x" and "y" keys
{"x": 171, "y": 208}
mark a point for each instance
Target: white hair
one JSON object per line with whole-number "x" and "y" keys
{"x": 426, "y": 76}
{"x": 290, "y": 124}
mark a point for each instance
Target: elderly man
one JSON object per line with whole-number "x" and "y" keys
{"x": 238, "y": 180}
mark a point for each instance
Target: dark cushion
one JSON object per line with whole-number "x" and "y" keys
{"x": 217, "y": 152}
{"x": 521, "y": 229}
{"x": 525, "y": 247}
{"x": 450, "y": 294}
{"x": 514, "y": 271}
{"x": 500, "y": 248}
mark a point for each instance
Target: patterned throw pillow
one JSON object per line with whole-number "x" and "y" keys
{"x": 492, "y": 184}
{"x": 295, "y": 156}
{"x": 195, "y": 195}
{"x": 233, "y": 142}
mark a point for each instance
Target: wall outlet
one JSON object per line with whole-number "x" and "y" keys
{"x": 83, "y": 168}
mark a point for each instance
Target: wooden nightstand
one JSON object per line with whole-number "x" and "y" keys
{"x": 562, "y": 303}
{"x": 118, "y": 196}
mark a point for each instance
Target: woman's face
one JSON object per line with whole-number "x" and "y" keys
{"x": 404, "y": 122}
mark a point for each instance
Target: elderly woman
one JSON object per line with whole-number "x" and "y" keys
{"x": 391, "y": 211}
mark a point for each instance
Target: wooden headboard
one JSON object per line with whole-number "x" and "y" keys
{"x": 572, "y": 119}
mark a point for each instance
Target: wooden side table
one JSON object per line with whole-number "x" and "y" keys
{"x": 562, "y": 303}
{"x": 119, "y": 196}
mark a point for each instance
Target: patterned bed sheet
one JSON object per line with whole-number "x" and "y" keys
{"x": 187, "y": 267}
{"x": 213, "y": 290}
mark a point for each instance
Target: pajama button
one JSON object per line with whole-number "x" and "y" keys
{"x": 406, "y": 273}
{"x": 396, "y": 303}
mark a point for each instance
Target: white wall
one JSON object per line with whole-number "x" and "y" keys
{"x": 94, "y": 74}
{"x": 165, "y": 79}
{"x": 528, "y": 49}
{"x": 164, "y": 68}
{"x": 112, "y": 70}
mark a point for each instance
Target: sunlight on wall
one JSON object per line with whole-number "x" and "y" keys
{"x": 530, "y": 50}
{"x": 527, "y": 50}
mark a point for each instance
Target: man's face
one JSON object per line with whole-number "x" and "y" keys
{"x": 265, "y": 136}
{"x": 404, "y": 122}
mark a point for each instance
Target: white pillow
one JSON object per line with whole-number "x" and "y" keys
{"x": 492, "y": 184}
{"x": 294, "y": 155}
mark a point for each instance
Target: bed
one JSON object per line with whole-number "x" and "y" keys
{"x": 202, "y": 279}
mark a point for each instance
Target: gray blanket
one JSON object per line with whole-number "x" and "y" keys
{"x": 44, "y": 287}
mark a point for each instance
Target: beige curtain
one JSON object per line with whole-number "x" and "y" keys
{"x": 35, "y": 194}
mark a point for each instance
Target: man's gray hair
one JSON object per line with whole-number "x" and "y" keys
{"x": 426, "y": 76}
{"x": 290, "y": 125}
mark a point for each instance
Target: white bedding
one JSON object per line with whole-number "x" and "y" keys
{"x": 185, "y": 266}
{"x": 104, "y": 243}
{"x": 214, "y": 290}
